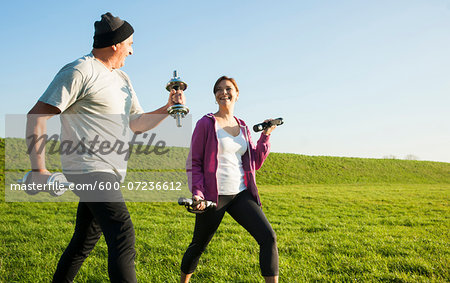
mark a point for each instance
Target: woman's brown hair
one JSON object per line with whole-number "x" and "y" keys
{"x": 222, "y": 78}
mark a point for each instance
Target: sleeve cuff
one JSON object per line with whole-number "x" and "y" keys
{"x": 198, "y": 193}
{"x": 264, "y": 138}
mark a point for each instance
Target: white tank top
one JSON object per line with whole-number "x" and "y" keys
{"x": 230, "y": 174}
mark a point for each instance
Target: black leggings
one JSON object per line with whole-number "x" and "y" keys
{"x": 244, "y": 209}
{"x": 93, "y": 218}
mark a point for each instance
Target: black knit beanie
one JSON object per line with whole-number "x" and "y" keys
{"x": 111, "y": 30}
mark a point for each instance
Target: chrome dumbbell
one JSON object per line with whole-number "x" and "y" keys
{"x": 190, "y": 204}
{"x": 177, "y": 111}
{"x": 56, "y": 184}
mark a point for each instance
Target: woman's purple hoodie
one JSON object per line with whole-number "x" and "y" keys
{"x": 201, "y": 166}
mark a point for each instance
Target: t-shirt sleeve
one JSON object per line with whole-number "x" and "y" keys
{"x": 135, "y": 108}
{"x": 135, "y": 105}
{"x": 64, "y": 90}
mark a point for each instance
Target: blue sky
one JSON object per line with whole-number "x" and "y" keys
{"x": 350, "y": 78}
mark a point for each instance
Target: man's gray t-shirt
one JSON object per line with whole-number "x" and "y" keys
{"x": 96, "y": 104}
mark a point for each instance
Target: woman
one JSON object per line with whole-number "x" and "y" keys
{"x": 221, "y": 168}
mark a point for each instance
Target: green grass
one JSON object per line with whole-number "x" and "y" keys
{"x": 336, "y": 219}
{"x": 364, "y": 233}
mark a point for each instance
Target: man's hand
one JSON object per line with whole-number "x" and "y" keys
{"x": 39, "y": 177}
{"x": 176, "y": 97}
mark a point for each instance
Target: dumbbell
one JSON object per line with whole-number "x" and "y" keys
{"x": 56, "y": 184}
{"x": 264, "y": 125}
{"x": 190, "y": 204}
{"x": 177, "y": 111}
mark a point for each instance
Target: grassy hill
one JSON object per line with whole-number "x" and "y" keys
{"x": 289, "y": 169}
{"x": 282, "y": 168}
{"x": 2, "y": 163}
{"x": 337, "y": 220}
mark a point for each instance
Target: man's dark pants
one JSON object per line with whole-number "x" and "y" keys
{"x": 100, "y": 211}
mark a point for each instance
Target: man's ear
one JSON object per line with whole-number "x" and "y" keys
{"x": 115, "y": 47}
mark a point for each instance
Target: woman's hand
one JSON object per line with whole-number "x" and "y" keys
{"x": 200, "y": 206}
{"x": 269, "y": 129}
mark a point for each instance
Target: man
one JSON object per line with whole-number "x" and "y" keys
{"x": 102, "y": 104}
